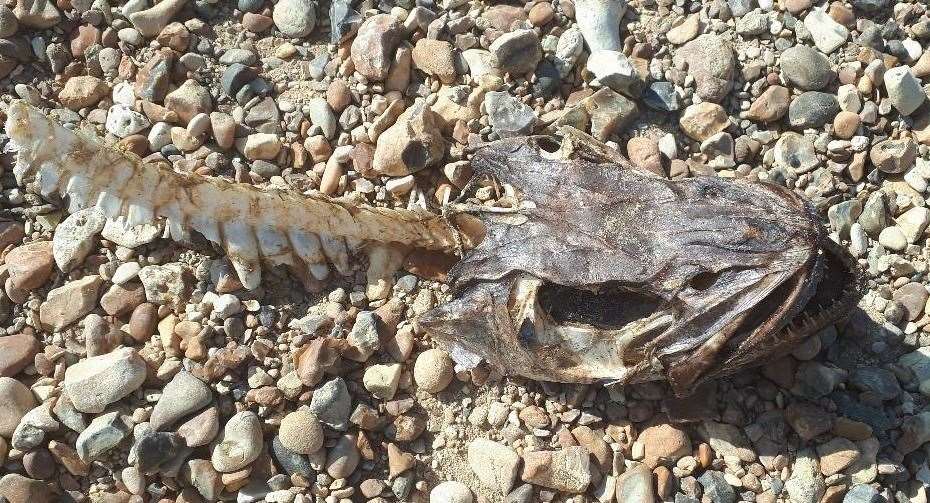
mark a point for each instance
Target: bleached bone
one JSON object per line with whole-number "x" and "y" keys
{"x": 251, "y": 224}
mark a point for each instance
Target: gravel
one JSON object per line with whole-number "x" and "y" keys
{"x": 134, "y": 367}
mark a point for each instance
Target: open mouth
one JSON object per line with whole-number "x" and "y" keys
{"x": 615, "y": 329}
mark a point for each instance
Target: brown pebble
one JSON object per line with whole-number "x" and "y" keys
{"x": 39, "y": 464}
{"x": 842, "y": 14}
{"x": 845, "y": 124}
{"x": 18, "y": 489}
{"x": 122, "y": 299}
{"x": 338, "y": 95}
{"x": 16, "y": 352}
{"x": 541, "y": 13}
{"x": 665, "y": 482}
{"x": 705, "y": 455}
{"x": 142, "y": 322}
{"x": 644, "y": 153}
{"x": 256, "y": 23}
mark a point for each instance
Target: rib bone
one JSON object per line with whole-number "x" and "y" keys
{"x": 252, "y": 225}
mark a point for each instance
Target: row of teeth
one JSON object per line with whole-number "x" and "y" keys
{"x": 312, "y": 233}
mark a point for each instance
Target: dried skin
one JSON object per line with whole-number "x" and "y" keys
{"x": 610, "y": 273}
{"x": 252, "y": 225}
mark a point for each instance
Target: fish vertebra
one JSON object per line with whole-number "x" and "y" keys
{"x": 252, "y": 225}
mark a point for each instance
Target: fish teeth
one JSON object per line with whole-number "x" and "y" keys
{"x": 335, "y": 250}
{"x": 78, "y": 190}
{"x": 307, "y": 246}
{"x": 110, "y": 204}
{"x": 175, "y": 227}
{"x": 243, "y": 251}
{"x": 48, "y": 180}
{"x": 274, "y": 246}
{"x": 208, "y": 227}
{"x": 383, "y": 263}
{"x": 139, "y": 214}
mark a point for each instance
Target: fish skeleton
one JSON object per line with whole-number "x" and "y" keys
{"x": 598, "y": 271}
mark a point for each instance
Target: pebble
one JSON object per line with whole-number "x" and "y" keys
{"x": 661, "y": 96}
{"x": 567, "y": 469}
{"x": 74, "y": 237}
{"x": 904, "y": 90}
{"x": 264, "y": 146}
{"x": 200, "y": 429}
{"x": 96, "y": 382}
{"x": 294, "y": 18}
{"x": 664, "y": 444}
{"x": 435, "y": 57}
{"x": 201, "y": 475}
{"x": 16, "y": 488}
{"x": 893, "y": 239}
{"x": 517, "y": 52}
{"x": 597, "y": 21}
{"x": 332, "y": 404}
{"x": 496, "y": 465}
{"x": 123, "y": 122}
{"x": 812, "y": 109}
{"x": 716, "y": 488}
{"x": 151, "y": 21}
{"x": 17, "y": 351}
{"x": 8, "y": 22}
{"x": 568, "y": 49}
{"x": 635, "y": 484}
{"x": 102, "y": 434}
{"x": 863, "y": 493}
{"x": 836, "y": 455}
{"x": 807, "y": 419}
{"x": 374, "y": 45}
{"x": 711, "y": 61}
{"x": 613, "y": 69}
{"x": 83, "y": 91}
{"x": 189, "y": 100}
{"x": 806, "y": 68}
{"x": 805, "y": 484}
{"x": 29, "y": 266}
{"x": 342, "y": 458}
{"x": 382, "y": 380}
{"x": 845, "y": 125}
{"x": 411, "y": 144}
{"x": 68, "y": 303}
{"x": 451, "y": 492}
{"x": 703, "y": 120}
{"x": 17, "y": 400}
{"x": 828, "y": 35}
{"x": 158, "y": 450}
{"x": 684, "y": 29}
{"x": 37, "y": 14}
{"x": 321, "y": 114}
{"x": 728, "y": 441}
{"x": 301, "y": 432}
{"x": 183, "y": 395}
{"x": 796, "y": 153}
{"x": 894, "y": 156}
{"x": 433, "y": 370}
{"x": 509, "y": 116}
{"x": 771, "y": 105}
{"x": 239, "y": 444}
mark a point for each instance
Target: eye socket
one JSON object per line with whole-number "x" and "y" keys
{"x": 704, "y": 280}
{"x": 548, "y": 144}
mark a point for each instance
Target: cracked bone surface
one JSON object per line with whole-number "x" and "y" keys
{"x": 307, "y": 232}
